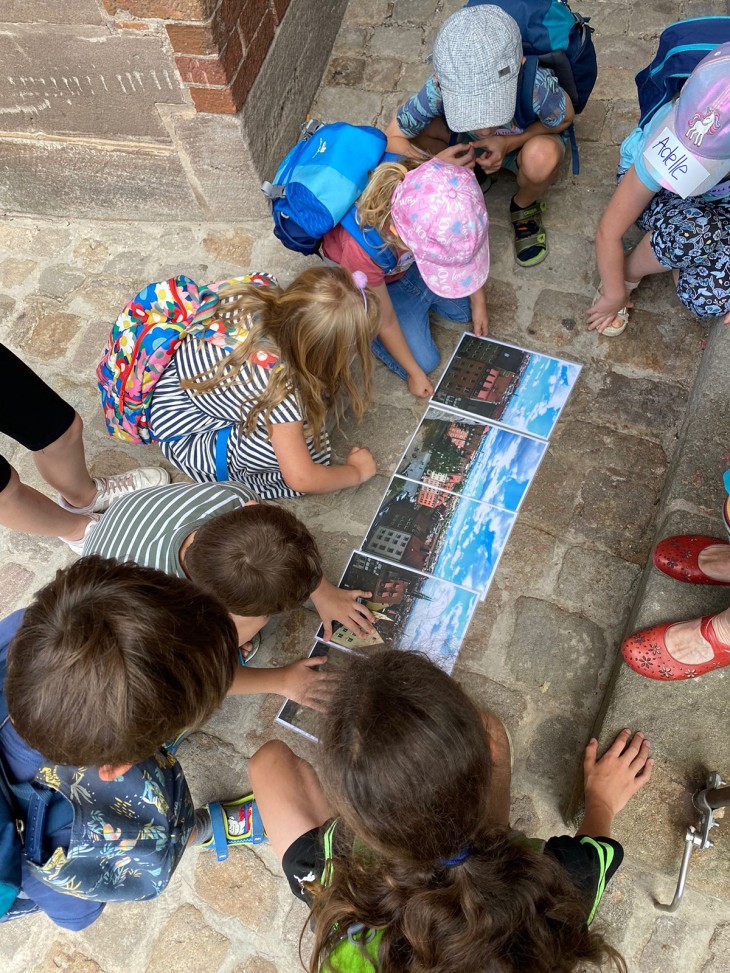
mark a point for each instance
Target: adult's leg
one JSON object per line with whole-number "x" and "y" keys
{"x": 288, "y": 793}
{"x": 62, "y": 464}
{"x": 24, "y": 509}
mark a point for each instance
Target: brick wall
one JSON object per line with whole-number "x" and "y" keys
{"x": 219, "y": 45}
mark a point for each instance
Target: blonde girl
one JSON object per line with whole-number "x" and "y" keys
{"x": 246, "y": 396}
{"x": 433, "y": 219}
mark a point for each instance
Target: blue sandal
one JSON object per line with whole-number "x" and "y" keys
{"x": 234, "y": 823}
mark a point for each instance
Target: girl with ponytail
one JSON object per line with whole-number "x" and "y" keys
{"x": 402, "y": 847}
{"x": 247, "y": 394}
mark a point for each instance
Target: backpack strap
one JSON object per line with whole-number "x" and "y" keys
{"x": 524, "y": 111}
{"x": 370, "y": 240}
{"x": 221, "y": 453}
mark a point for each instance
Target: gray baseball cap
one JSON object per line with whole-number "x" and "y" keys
{"x": 477, "y": 57}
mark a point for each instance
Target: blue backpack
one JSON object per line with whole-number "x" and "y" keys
{"x": 556, "y": 38}
{"x": 681, "y": 48}
{"x": 318, "y": 183}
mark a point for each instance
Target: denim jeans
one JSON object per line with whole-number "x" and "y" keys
{"x": 412, "y": 301}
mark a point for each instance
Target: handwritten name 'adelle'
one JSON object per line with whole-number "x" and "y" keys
{"x": 675, "y": 163}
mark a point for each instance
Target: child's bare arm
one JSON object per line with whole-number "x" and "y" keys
{"x": 301, "y": 681}
{"x": 394, "y": 340}
{"x": 479, "y": 316}
{"x": 626, "y": 205}
{"x": 612, "y": 781}
{"x": 302, "y": 474}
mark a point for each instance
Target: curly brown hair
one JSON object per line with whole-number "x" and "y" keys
{"x": 406, "y": 766}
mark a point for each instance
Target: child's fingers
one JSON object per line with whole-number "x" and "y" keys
{"x": 589, "y": 757}
{"x": 326, "y": 631}
{"x": 633, "y": 747}
{"x": 639, "y": 755}
{"x": 619, "y": 744}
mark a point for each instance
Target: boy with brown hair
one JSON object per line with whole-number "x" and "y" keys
{"x": 107, "y": 662}
{"x": 257, "y": 559}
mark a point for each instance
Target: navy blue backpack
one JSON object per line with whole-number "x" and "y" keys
{"x": 554, "y": 37}
{"x": 318, "y": 183}
{"x": 681, "y": 48}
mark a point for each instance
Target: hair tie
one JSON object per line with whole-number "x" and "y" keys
{"x": 360, "y": 281}
{"x": 458, "y": 859}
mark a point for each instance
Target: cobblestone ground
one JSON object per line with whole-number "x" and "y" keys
{"x": 540, "y": 648}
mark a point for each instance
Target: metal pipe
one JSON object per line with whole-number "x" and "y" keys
{"x": 689, "y": 844}
{"x": 718, "y": 797}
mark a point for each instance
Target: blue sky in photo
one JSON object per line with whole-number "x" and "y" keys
{"x": 476, "y": 537}
{"x": 542, "y": 392}
{"x": 437, "y": 627}
{"x": 503, "y": 468}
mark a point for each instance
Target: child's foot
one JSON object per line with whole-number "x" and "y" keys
{"x": 111, "y": 488}
{"x": 234, "y": 823}
{"x": 77, "y": 543}
{"x": 530, "y": 237}
{"x": 248, "y": 650}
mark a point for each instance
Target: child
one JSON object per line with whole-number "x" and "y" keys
{"x": 683, "y": 210}
{"x": 249, "y": 402}
{"x": 472, "y": 97}
{"x": 53, "y": 430}
{"x": 404, "y": 846}
{"x": 257, "y": 559}
{"x": 107, "y": 662}
{"x": 433, "y": 217}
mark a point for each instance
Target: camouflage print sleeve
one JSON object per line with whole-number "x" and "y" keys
{"x": 417, "y": 113}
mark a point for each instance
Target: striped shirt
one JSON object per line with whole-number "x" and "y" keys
{"x": 150, "y": 526}
{"x": 188, "y": 424}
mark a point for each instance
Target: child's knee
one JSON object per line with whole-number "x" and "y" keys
{"x": 267, "y": 757}
{"x": 540, "y": 158}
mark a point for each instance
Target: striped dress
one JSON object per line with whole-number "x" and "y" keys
{"x": 187, "y": 425}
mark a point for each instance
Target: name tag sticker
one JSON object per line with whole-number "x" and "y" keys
{"x": 678, "y": 170}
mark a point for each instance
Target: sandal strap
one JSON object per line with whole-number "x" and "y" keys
{"x": 708, "y": 633}
{"x": 220, "y": 834}
{"x": 528, "y": 242}
{"x": 258, "y": 833}
{"x": 533, "y": 212}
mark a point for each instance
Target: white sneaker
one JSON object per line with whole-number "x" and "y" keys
{"x": 111, "y": 488}
{"x": 78, "y": 546}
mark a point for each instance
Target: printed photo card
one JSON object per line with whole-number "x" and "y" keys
{"x": 508, "y": 385}
{"x": 412, "y": 611}
{"x": 443, "y": 534}
{"x": 472, "y": 458}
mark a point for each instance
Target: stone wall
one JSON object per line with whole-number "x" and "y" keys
{"x": 154, "y": 109}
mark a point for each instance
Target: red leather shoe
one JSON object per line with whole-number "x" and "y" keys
{"x": 646, "y": 653}
{"x": 679, "y": 557}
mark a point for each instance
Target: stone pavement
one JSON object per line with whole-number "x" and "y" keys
{"x": 542, "y": 649}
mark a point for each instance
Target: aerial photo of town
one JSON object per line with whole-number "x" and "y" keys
{"x": 519, "y": 388}
{"x": 411, "y": 610}
{"x": 484, "y": 462}
{"x": 449, "y": 536}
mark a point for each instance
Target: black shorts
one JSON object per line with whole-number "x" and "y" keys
{"x": 31, "y": 413}
{"x": 304, "y": 861}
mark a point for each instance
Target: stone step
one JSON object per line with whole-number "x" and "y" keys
{"x": 687, "y": 722}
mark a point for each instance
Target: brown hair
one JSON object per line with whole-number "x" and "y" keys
{"x": 375, "y": 202}
{"x": 257, "y": 560}
{"x": 113, "y": 659}
{"x": 406, "y": 766}
{"x": 321, "y": 327}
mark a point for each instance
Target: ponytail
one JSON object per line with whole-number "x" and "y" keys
{"x": 374, "y": 204}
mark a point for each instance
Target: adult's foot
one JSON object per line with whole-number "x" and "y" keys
{"x": 714, "y": 561}
{"x": 686, "y": 644}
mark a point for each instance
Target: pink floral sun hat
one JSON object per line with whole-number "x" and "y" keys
{"x": 438, "y": 212}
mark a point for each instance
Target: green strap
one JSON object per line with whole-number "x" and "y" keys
{"x": 605, "y": 858}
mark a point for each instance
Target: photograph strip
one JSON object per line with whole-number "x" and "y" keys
{"x": 434, "y": 544}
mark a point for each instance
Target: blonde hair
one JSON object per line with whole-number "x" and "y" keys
{"x": 374, "y": 204}
{"x": 320, "y": 327}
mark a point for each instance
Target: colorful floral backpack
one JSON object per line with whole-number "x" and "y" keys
{"x": 144, "y": 339}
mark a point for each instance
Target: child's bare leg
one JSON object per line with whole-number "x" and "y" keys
{"x": 501, "y": 753}
{"x": 539, "y": 165}
{"x": 24, "y": 509}
{"x": 63, "y": 466}
{"x": 641, "y": 262}
{"x": 288, "y": 793}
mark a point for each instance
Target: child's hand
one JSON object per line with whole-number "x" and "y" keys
{"x": 479, "y": 316}
{"x": 495, "y": 149}
{"x": 419, "y": 385}
{"x": 363, "y": 461}
{"x": 603, "y": 312}
{"x": 306, "y": 684}
{"x": 341, "y": 605}
{"x": 458, "y": 155}
{"x": 612, "y": 781}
